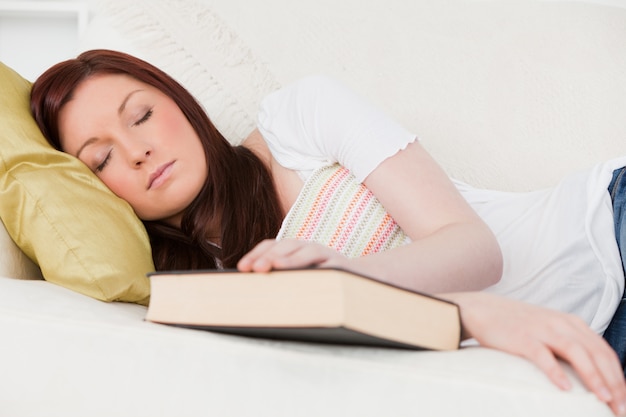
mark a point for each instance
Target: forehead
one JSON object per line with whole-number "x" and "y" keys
{"x": 106, "y": 86}
{"x": 97, "y": 96}
{"x": 93, "y": 103}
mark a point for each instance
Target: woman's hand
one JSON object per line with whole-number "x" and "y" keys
{"x": 289, "y": 253}
{"x": 543, "y": 336}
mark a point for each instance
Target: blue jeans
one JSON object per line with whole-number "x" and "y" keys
{"x": 615, "y": 334}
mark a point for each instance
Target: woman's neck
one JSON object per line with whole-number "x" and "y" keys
{"x": 287, "y": 181}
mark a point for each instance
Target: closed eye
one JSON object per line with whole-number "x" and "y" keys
{"x": 104, "y": 163}
{"x": 144, "y": 119}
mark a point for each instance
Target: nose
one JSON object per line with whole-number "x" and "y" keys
{"x": 138, "y": 152}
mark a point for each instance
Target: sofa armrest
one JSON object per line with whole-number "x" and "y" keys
{"x": 13, "y": 262}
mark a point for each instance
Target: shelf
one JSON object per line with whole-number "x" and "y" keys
{"x": 35, "y": 34}
{"x": 78, "y": 9}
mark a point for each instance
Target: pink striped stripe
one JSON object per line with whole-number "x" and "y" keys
{"x": 358, "y": 206}
{"x": 319, "y": 207}
{"x": 381, "y": 236}
{"x": 337, "y": 241}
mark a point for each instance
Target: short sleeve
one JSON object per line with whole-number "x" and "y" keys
{"x": 318, "y": 121}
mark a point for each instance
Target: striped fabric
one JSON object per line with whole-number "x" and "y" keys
{"x": 336, "y": 210}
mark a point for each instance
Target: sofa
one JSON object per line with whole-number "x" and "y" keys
{"x": 510, "y": 95}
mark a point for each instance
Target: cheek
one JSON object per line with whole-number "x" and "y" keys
{"x": 120, "y": 185}
{"x": 177, "y": 133}
{"x": 174, "y": 121}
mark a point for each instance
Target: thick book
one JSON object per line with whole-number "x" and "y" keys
{"x": 316, "y": 305}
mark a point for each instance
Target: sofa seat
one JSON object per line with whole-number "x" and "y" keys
{"x": 66, "y": 354}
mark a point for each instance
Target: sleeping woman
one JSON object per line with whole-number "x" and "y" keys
{"x": 328, "y": 180}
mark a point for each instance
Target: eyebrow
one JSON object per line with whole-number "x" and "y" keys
{"x": 120, "y": 109}
{"x": 84, "y": 145}
{"x": 123, "y": 105}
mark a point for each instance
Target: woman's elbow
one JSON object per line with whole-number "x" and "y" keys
{"x": 493, "y": 262}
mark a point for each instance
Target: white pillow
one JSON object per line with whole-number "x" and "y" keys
{"x": 193, "y": 45}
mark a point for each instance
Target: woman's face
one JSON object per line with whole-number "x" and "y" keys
{"x": 138, "y": 142}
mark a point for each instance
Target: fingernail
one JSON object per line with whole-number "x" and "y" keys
{"x": 621, "y": 409}
{"x": 564, "y": 383}
{"x": 605, "y": 394}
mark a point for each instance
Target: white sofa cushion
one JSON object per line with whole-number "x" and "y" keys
{"x": 69, "y": 355}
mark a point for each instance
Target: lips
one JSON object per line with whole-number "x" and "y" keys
{"x": 160, "y": 175}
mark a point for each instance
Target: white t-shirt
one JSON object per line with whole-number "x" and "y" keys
{"x": 558, "y": 244}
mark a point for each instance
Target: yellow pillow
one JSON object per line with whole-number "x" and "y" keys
{"x": 56, "y": 210}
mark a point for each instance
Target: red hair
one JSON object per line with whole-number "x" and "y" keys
{"x": 238, "y": 193}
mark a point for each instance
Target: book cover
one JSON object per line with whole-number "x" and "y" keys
{"x": 315, "y": 305}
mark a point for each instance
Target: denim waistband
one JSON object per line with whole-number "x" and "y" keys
{"x": 615, "y": 334}
{"x": 616, "y": 182}
{"x": 617, "y": 190}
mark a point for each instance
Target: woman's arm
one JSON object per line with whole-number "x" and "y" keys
{"x": 451, "y": 249}
{"x": 318, "y": 121}
{"x": 542, "y": 336}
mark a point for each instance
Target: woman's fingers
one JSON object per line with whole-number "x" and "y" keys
{"x": 257, "y": 259}
{"x": 543, "y": 336}
{"x": 545, "y": 360}
{"x": 570, "y": 339}
{"x": 615, "y": 383}
{"x": 287, "y": 253}
{"x": 601, "y": 376}
{"x": 593, "y": 360}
